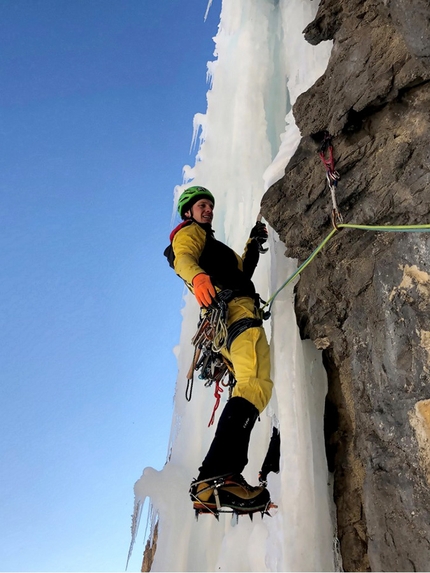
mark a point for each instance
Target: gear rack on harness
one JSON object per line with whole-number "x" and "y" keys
{"x": 210, "y": 338}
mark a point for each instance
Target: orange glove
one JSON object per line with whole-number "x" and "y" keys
{"x": 204, "y": 290}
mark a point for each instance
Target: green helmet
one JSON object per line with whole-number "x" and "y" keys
{"x": 191, "y": 196}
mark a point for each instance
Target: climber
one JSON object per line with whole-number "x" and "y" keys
{"x": 208, "y": 266}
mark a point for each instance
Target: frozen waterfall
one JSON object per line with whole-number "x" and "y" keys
{"x": 245, "y": 140}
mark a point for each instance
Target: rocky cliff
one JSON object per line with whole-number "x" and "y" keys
{"x": 365, "y": 299}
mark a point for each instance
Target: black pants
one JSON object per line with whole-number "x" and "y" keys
{"x": 228, "y": 453}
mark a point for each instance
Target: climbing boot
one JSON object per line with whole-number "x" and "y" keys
{"x": 228, "y": 494}
{"x": 272, "y": 459}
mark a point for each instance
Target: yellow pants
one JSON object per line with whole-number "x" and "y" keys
{"x": 250, "y": 356}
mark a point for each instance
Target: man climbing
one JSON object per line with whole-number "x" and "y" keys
{"x": 208, "y": 267}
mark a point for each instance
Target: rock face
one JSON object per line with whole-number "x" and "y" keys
{"x": 365, "y": 299}
{"x": 149, "y": 552}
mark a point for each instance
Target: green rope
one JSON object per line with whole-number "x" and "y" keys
{"x": 389, "y": 228}
{"x": 383, "y": 228}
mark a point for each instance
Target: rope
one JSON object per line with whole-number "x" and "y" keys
{"x": 220, "y": 335}
{"x": 377, "y": 228}
{"x": 389, "y": 228}
{"x": 217, "y": 394}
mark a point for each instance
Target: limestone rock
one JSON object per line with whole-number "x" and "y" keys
{"x": 365, "y": 299}
{"x": 374, "y": 58}
{"x": 150, "y": 550}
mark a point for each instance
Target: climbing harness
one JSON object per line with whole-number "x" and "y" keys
{"x": 327, "y": 157}
{"x": 240, "y": 326}
{"x": 337, "y": 221}
{"x": 211, "y": 337}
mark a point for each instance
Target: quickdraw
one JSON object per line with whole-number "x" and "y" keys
{"x": 326, "y": 154}
{"x": 209, "y": 340}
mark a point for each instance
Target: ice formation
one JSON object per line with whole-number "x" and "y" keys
{"x": 245, "y": 140}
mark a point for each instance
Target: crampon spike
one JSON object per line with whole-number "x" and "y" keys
{"x": 199, "y": 511}
{"x": 235, "y": 513}
{"x": 269, "y": 506}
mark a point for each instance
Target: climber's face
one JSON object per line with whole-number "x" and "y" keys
{"x": 202, "y": 211}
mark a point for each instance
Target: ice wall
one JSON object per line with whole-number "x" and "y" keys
{"x": 245, "y": 140}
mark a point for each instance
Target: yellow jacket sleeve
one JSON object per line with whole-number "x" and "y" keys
{"x": 250, "y": 258}
{"x": 239, "y": 261}
{"x": 188, "y": 245}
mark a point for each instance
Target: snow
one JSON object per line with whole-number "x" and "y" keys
{"x": 245, "y": 140}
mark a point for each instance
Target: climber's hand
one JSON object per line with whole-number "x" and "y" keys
{"x": 259, "y": 232}
{"x": 204, "y": 291}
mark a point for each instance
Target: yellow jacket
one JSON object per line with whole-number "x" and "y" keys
{"x": 197, "y": 251}
{"x": 194, "y": 250}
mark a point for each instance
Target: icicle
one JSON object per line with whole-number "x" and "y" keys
{"x": 135, "y": 521}
{"x": 199, "y": 125}
{"x": 207, "y": 10}
{"x": 262, "y": 64}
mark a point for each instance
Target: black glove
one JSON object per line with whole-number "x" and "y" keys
{"x": 259, "y": 232}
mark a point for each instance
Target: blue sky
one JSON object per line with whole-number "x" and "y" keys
{"x": 97, "y": 99}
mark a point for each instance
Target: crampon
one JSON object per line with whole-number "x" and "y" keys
{"x": 230, "y": 494}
